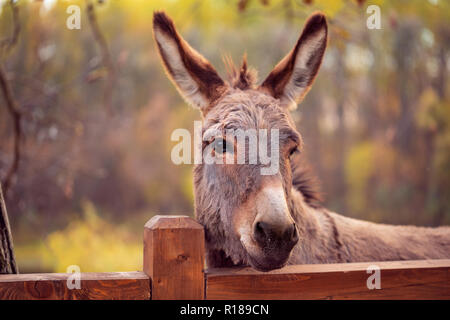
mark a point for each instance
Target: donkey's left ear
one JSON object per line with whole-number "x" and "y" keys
{"x": 293, "y": 76}
{"x": 195, "y": 78}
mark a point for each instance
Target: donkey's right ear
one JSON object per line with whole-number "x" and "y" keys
{"x": 195, "y": 78}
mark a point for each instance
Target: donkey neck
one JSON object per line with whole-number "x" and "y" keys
{"x": 320, "y": 240}
{"x": 327, "y": 237}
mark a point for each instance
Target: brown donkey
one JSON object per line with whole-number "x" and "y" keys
{"x": 266, "y": 221}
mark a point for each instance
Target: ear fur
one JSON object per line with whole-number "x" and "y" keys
{"x": 293, "y": 76}
{"x": 195, "y": 78}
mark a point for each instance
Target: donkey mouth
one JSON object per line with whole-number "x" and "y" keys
{"x": 267, "y": 263}
{"x": 265, "y": 258}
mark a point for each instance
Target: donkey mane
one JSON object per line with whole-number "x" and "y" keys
{"x": 243, "y": 77}
{"x": 305, "y": 181}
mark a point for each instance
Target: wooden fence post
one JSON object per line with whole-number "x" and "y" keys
{"x": 174, "y": 250}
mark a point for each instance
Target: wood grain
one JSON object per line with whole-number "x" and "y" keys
{"x": 427, "y": 279}
{"x": 94, "y": 286}
{"x": 174, "y": 252}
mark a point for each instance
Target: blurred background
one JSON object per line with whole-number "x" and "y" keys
{"x": 85, "y": 134}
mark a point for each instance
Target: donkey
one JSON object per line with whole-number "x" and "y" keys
{"x": 268, "y": 221}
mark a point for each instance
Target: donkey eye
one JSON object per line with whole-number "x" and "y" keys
{"x": 293, "y": 151}
{"x": 221, "y": 146}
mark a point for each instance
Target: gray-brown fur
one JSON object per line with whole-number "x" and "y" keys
{"x": 228, "y": 196}
{"x": 332, "y": 238}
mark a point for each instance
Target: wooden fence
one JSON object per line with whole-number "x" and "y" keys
{"x": 174, "y": 269}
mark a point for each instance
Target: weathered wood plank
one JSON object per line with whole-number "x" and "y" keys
{"x": 94, "y": 286}
{"x": 174, "y": 254}
{"x": 427, "y": 279}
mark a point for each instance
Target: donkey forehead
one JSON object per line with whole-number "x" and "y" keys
{"x": 249, "y": 109}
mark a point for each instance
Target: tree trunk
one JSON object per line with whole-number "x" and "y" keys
{"x": 7, "y": 259}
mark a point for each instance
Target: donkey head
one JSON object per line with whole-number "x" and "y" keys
{"x": 248, "y": 216}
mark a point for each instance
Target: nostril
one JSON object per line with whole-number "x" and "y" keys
{"x": 291, "y": 233}
{"x": 260, "y": 232}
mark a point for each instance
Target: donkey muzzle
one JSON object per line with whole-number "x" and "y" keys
{"x": 273, "y": 229}
{"x": 275, "y": 237}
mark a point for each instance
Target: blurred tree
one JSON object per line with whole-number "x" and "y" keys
{"x": 6, "y": 45}
{"x": 7, "y": 258}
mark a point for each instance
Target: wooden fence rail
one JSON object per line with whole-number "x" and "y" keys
{"x": 174, "y": 269}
